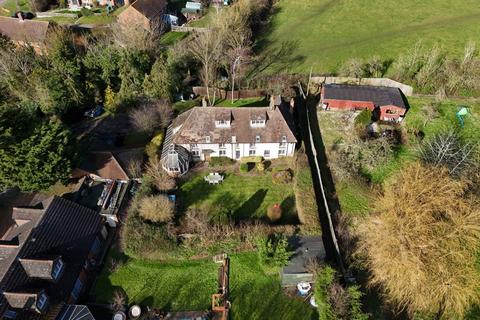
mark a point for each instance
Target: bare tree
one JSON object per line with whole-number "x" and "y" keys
{"x": 207, "y": 47}
{"x": 421, "y": 244}
{"x": 162, "y": 181}
{"x": 239, "y": 53}
{"x": 152, "y": 115}
{"x": 447, "y": 149}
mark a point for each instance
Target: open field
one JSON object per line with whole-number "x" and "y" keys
{"x": 325, "y": 33}
{"x": 240, "y": 196}
{"x": 188, "y": 285}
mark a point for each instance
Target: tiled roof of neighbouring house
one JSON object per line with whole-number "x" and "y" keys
{"x": 30, "y": 31}
{"x": 150, "y": 8}
{"x": 57, "y": 228}
{"x": 194, "y": 125}
{"x": 380, "y": 96}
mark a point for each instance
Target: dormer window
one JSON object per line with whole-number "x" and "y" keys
{"x": 57, "y": 269}
{"x": 42, "y": 302}
{"x": 207, "y": 139}
{"x": 257, "y": 123}
{"x": 222, "y": 123}
{"x": 257, "y": 139}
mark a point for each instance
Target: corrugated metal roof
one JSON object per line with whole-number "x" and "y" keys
{"x": 380, "y": 96}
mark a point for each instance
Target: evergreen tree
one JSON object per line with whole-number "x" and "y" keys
{"x": 159, "y": 83}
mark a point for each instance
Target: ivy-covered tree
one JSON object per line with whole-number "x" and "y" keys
{"x": 159, "y": 84}
{"x": 33, "y": 154}
{"x": 134, "y": 65}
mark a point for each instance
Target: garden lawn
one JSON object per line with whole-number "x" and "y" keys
{"x": 9, "y": 7}
{"x": 239, "y": 196}
{"x": 326, "y": 33}
{"x": 247, "y": 102}
{"x": 93, "y": 19}
{"x": 189, "y": 285}
{"x": 172, "y": 37}
{"x": 59, "y": 20}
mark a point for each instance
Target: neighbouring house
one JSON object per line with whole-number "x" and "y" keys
{"x": 387, "y": 103}
{"x": 220, "y": 3}
{"x": 105, "y": 165}
{"x": 78, "y": 4}
{"x": 25, "y": 32}
{"x": 192, "y": 10}
{"x": 147, "y": 14}
{"x": 306, "y": 249}
{"x": 48, "y": 254}
{"x": 205, "y": 132}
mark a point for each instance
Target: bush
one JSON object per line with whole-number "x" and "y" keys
{"x": 251, "y": 159}
{"x": 160, "y": 179}
{"x": 244, "y": 167}
{"x": 273, "y": 251}
{"x": 86, "y": 12}
{"x": 283, "y": 177}
{"x": 157, "y": 209}
{"x": 363, "y": 119}
{"x": 153, "y": 147}
{"x": 260, "y": 167}
{"x": 220, "y": 161}
{"x": 274, "y": 212}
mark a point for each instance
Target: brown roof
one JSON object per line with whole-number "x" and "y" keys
{"x": 199, "y": 122}
{"x": 102, "y": 164}
{"x": 150, "y": 8}
{"x": 31, "y": 31}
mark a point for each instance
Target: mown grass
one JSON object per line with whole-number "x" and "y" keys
{"x": 172, "y": 37}
{"x": 188, "y": 285}
{"x": 326, "y": 33}
{"x": 239, "y": 196}
{"x": 59, "y": 20}
{"x": 247, "y": 102}
{"x": 9, "y": 7}
{"x": 94, "y": 19}
{"x": 205, "y": 20}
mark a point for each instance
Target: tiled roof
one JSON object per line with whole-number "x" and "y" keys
{"x": 380, "y": 96}
{"x": 31, "y": 31}
{"x": 194, "y": 125}
{"x": 150, "y": 8}
{"x": 60, "y": 228}
{"x": 102, "y": 164}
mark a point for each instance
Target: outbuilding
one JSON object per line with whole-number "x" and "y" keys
{"x": 387, "y": 103}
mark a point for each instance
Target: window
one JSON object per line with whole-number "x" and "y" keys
{"x": 282, "y": 152}
{"x": 57, "y": 269}
{"x": 42, "y": 301}
{"x": 222, "y": 124}
{"x": 251, "y": 152}
{"x": 234, "y": 139}
{"x": 391, "y": 111}
{"x": 252, "y": 145}
{"x": 222, "y": 146}
{"x": 266, "y": 153}
{"x": 10, "y": 314}
{"x": 257, "y": 123}
{"x": 77, "y": 289}
{"x": 257, "y": 139}
{"x": 223, "y": 153}
{"x": 196, "y": 153}
{"x": 207, "y": 139}
{"x": 284, "y": 141}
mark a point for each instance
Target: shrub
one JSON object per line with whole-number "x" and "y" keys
{"x": 244, "y": 167}
{"x": 273, "y": 251}
{"x": 152, "y": 116}
{"x": 153, "y": 147}
{"x": 157, "y": 209}
{"x": 252, "y": 159}
{"x": 274, "y": 212}
{"x": 86, "y": 12}
{"x": 325, "y": 278}
{"x": 363, "y": 119}
{"x": 160, "y": 179}
{"x": 260, "y": 167}
{"x": 283, "y": 177}
{"x": 220, "y": 161}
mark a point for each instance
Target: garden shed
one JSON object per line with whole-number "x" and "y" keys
{"x": 305, "y": 249}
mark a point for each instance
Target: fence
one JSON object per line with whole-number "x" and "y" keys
{"x": 227, "y": 94}
{"x": 187, "y": 29}
{"x": 406, "y": 89}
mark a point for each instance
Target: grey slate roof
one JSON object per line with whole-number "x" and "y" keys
{"x": 60, "y": 228}
{"x": 380, "y": 96}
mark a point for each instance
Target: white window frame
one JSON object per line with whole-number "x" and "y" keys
{"x": 282, "y": 152}
{"x": 222, "y": 152}
{"x": 57, "y": 269}
{"x": 257, "y": 123}
{"x": 257, "y": 139}
{"x": 252, "y": 146}
{"x": 234, "y": 139}
{"x": 222, "y": 146}
{"x": 284, "y": 141}
{"x": 42, "y": 301}
{"x": 252, "y": 152}
{"x": 265, "y": 155}
{"x": 222, "y": 123}
{"x": 207, "y": 139}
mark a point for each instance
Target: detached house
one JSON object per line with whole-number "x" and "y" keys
{"x": 47, "y": 255}
{"x": 25, "y": 32}
{"x": 147, "y": 14}
{"x": 388, "y": 104}
{"x": 205, "y": 132}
